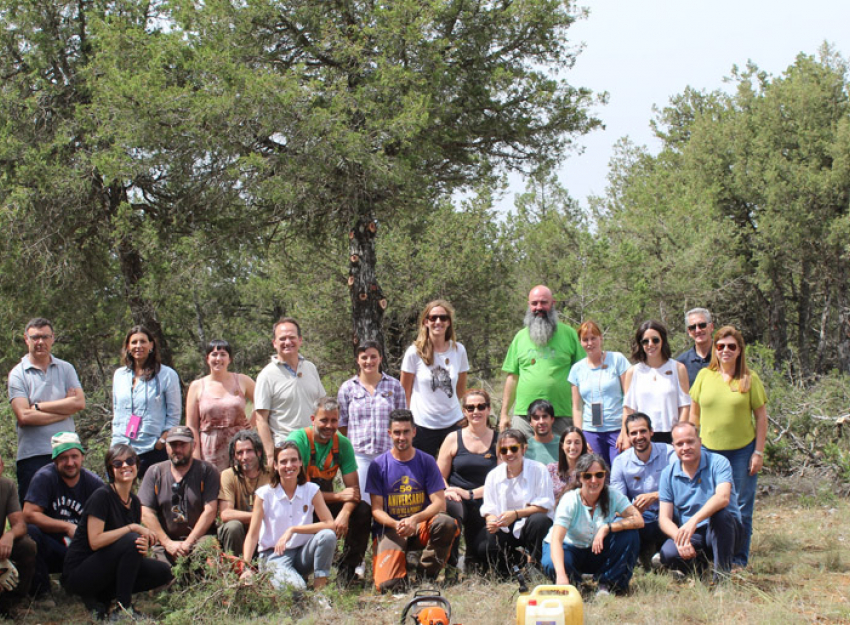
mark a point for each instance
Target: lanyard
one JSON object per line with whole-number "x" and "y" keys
{"x": 133, "y": 393}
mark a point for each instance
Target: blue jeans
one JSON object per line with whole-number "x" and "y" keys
{"x": 613, "y": 566}
{"x": 745, "y": 485}
{"x": 25, "y": 470}
{"x": 717, "y": 540}
{"x": 294, "y": 565}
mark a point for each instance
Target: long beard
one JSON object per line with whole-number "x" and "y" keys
{"x": 541, "y": 329}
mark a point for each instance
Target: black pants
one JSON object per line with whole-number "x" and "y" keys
{"x": 467, "y": 513}
{"x": 25, "y": 470}
{"x": 499, "y": 549}
{"x": 50, "y": 556}
{"x": 429, "y": 440}
{"x": 23, "y": 557}
{"x": 115, "y": 572}
{"x": 150, "y": 458}
{"x": 357, "y": 538}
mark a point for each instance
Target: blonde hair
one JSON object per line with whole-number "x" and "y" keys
{"x": 424, "y": 347}
{"x": 741, "y": 378}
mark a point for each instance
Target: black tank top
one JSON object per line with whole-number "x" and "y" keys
{"x": 469, "y": 470}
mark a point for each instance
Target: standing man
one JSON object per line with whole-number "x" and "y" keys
{"x": 287, "y": 389}
{"x": 45, "y": 393}
{"x": 17, "y": 550}
{"x": 248, "y": 471}
{"x": 637, "y": 473}
{"x": 544, "y": 446}
{"x": 325, "y": 452}
{"x": 700, "y": 329}
{"x": 54, "y": 504}
{"x": 409, "y": 508}
{"x": 538, "y": 362}
{"x": 699, "y": 492}
{"x": 179, "y": 498}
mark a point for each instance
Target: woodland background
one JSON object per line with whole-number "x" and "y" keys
{"x": 204, "y": 168}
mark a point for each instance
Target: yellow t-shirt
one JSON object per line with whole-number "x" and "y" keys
{"x": 726, "y": 415}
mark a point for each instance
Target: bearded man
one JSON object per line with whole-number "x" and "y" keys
{"x": 538, "y": 363}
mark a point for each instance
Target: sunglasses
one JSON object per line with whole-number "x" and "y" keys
{"x": 510, "y": 448}
{"x": 442, "y": 318}
{"x": 478, "y": 407}
{"x": 130, "y": 462}
{"x": 654, "y": 340}
{"x": 702, "y": 325}
{"x": 599, "y": 475}
{"x": 732, "y": 347}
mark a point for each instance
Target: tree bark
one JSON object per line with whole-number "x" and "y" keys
{"x": 367, "y": 299}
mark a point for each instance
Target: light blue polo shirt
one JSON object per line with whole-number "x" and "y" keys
{"x": 689, "y": 495}
{"x": 632, "y": 476}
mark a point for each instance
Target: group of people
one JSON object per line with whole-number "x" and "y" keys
{"x": 416, "y": 461}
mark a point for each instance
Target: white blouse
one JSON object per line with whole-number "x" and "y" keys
{"x": 280, "y": 513}
{"x": 656, "y": 392}
{"x": 532, "y": 487}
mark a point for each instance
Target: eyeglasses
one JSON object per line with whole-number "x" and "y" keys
{"x": 39, "y": 337}
{"x": 478, "y": 407}
{"x": 130, "y": 462}
{"x": 599, "y": 475}
{"x": 702, "y": 325}
{"x": 653, "y": 339}
{"x": 732, "y": 347}
{"x": 442, "y": 318}
{"x": 510, "y": 448}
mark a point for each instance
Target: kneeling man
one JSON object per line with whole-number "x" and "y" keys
{"x": 409, "y": 507}
{"x": 698, "y": 507}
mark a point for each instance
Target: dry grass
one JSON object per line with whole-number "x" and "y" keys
{"x": 799, "y": 573}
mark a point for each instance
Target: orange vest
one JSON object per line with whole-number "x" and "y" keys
{"x": 327, "y": 472}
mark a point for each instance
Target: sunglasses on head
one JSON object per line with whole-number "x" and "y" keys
{"x": 732, "y": 347}
{"x": 478, "y": 407}
{"x": 509, "y": 448}
{"x": 599, "y": 475}
{"x": 653, "y": 339}
{"x": 442, "y": 318}
{"x": 117, "y": 464}
{"x": 702, "y": 325}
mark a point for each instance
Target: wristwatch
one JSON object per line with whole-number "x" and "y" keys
{"x": 471, "y": 495}
{"x": 35, "y": 405}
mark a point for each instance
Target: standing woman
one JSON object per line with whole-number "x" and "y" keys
{"x": 595, "y": 532}
{"x": 215, "y": 406}
{"x": 433, "y": 374}
{"x": 466, "y": 457}
{"x": 107, "y": 556}
{"x": 730, "y": 410}
{"x": 365, "y": 403}
{"x": 145, "y": 398}
{"x": 598, "y": 382}
{"x": 573, "y": 446}
{"x": 290, "y": 544}
{"x": 656, "y": 385}
{"x": 517, "y": 508}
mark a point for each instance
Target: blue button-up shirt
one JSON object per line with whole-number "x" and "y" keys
{"x": 156, "y": 401}
{"x": 689, "y": 495}
{"x": 632, "y": 476}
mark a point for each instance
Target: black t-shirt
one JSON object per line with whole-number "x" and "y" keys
{"x": 105, "y": 505}
{"x": 58, "y": 500}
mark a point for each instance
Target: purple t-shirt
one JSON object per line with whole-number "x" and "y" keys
{"x": 405, "y": 486}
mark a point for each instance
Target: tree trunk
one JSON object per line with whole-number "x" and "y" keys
{"x": 842, "y": 302}
{"x": 141, "y": 309}
{"x": 804, "y": 314}
{"x": 367, "y": 299}
{"x": 777, "y": 322}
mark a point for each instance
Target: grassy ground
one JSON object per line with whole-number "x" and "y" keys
{"x": 799, "y": 573}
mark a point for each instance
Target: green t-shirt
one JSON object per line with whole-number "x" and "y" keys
{"x": 347, "y": 463}
{"x": 547, "y": 453}
{"x": 726, "y": 415}
{"x": 543, "y": 371}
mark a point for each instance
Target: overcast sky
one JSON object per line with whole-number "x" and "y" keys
{"x": 644, "y": 51}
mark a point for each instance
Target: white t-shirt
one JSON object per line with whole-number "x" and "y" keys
{"x": 656, "y": 392}
{"x": 434, "y": 402}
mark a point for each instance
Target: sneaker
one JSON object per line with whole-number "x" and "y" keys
{"x": 125, "y": 615}
{"x": 45, "y": 601}
{"x": 322, "y": 602}
{"x": 603, "y": 590}
{"x": 656, "y": 562}
{"x": 677, "y": 575}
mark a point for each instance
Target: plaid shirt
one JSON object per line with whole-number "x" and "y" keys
{"x": 368, "y": 417}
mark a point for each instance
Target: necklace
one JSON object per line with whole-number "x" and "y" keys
{"x": 121, "y": 499}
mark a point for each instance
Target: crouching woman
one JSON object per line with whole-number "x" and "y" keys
{"x": 290, "y": 545}
{"x": 107, "y": 556}
{"x": 595, "y": 532}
